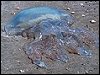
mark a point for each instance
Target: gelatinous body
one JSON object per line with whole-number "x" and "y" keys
{"x": 53, "y": 34}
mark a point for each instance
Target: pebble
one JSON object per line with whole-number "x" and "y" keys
{"x": 83, "y": 15}
{"x": 73, "y": 12}
{"x": 83, "y": 64}
{"x": 18, "y": 61}
{"x": 92, "y": 21}
{"x": 19, "y": 49}
{"x": 68, "y": 8}
{"x": 17, "y": 8}
{"x": 90, "y": 70}
{"x": 21, "y": 71}
{"x": 86, "y": 72}
{"x": 81, "y": 4}
{"x": 67, "y": 68}
{"x": 68, "y": 22}
{"x": 13, "y": 13}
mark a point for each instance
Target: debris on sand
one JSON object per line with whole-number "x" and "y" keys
{"x": 92, "y": 21}
{"x": 17, "y": 8}
{"x": 73, "y": 12}
{"x": 21, "y": 71}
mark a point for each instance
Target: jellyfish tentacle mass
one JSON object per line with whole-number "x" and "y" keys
{"x": 53, "y": 34}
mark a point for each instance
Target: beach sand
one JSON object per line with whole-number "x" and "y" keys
{"x": 15, "y": 61}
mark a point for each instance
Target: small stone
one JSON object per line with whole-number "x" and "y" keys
{"x": 68, "y": 22}
{"x": 21, "y": 71}
{"x": 68, "y": 8}
{"x": 13, "y": 13}
{"x": 18, "y": 61}
{"x": 90, "y": 70}
{"x": 92, "y": 21}
{"x": 81, "y": 4}
{"x": 67, "y": 68}
{"x": 17, "y": 8}
{"x": 1, "y": 61}
{"x": 82, "y": 64}
{"x": 19, "y": 49}
{"x": 86, "y": 72}
{"x": 73, "y": 12}
{"x": 83, "y": 15}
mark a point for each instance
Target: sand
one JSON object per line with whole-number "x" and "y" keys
{"x": 15, "y": 61}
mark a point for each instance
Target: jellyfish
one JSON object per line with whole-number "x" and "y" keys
{"x": 53, "y": 34}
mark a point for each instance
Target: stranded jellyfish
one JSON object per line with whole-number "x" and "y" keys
{"x": 53, "y": 35}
